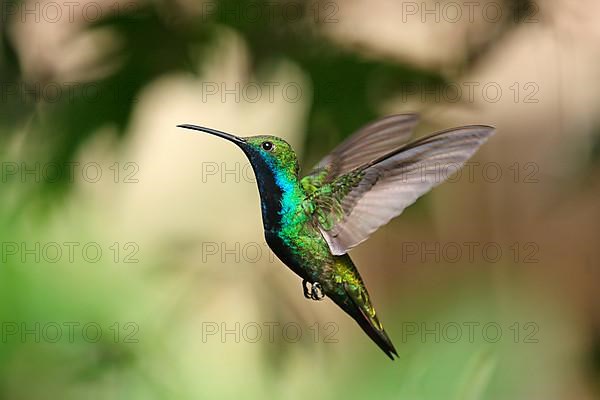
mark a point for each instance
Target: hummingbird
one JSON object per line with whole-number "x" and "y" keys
{"x": 311, "y": 223}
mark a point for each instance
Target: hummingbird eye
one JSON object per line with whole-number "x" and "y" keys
{"x": 268, "y": 146}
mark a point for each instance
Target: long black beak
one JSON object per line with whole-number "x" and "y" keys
{"x": 227, "y": 136}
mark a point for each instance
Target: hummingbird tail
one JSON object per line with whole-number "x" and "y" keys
{"x": 378, "y": 335}
{"x": 364, "y": 314}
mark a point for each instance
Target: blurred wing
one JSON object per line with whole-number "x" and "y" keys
{"x": 354, "y": 205}
{"x": 365, "y": 145}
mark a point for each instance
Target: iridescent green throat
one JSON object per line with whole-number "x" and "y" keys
{"x": 281, "y": 195}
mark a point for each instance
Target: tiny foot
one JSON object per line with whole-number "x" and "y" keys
{"x": 306, "y": 289}
{"x": 316, "y": 291}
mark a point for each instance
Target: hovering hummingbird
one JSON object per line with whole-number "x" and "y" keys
{"x": 370, "y": 178}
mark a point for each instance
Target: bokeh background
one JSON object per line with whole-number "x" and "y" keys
{"x": 132, "y": 258}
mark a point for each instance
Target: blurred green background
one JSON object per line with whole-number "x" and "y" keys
{"x": 132, "y": 258}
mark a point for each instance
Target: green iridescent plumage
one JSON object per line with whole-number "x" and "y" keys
{"x": 325, "y": 199}
{"x": 311, "y": 223}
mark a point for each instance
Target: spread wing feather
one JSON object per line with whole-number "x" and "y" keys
{"x": 353, "y": 205}
{"x": 367, "y": 144}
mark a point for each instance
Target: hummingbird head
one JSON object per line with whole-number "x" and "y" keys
{"x": 263, "y": 151}
{"x": 274, "y": 151}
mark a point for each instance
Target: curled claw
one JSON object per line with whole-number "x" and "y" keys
{"x": 312, "y": 291}
{"x": 316, "y": 291}
{"x": 306, "y": 289}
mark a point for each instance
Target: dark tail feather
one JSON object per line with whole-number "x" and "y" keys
{"x": 356, "y": 303}
{"x": 375, "y": 333}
